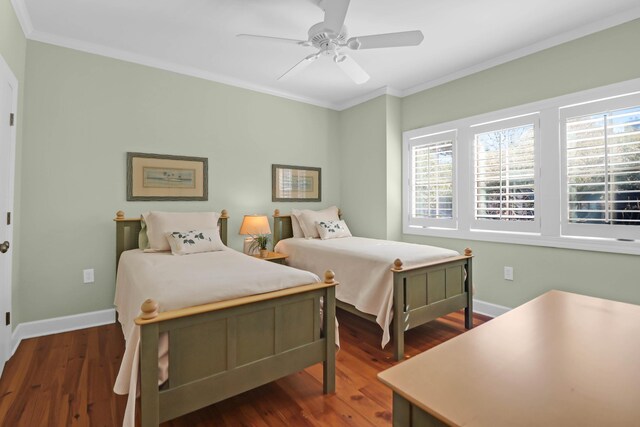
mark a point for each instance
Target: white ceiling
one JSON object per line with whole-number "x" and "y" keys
{"x": 197, "y": 37}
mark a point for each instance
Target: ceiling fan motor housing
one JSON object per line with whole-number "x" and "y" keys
{"x": 327, "y": 40}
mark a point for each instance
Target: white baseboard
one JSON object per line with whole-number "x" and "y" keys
{"x": 56, "y": 325}
{"x": 489, "y": 309}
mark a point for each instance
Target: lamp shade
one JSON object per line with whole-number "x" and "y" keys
{"x": 254, "y": 225}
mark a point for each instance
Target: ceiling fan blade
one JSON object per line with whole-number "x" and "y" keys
{"x": 351, "y": 68}
{"x": 273, "y": 39}
{"x": 405, "y": 38}
{"x": 299, "y": 66}
{"x": 335, "y": 12}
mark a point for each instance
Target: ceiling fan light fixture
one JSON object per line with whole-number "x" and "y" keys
{"x": 354, "y": 43}
{"x": 312, "y": 57}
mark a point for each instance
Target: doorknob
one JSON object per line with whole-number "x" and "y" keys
{"x": 4, "y": 247}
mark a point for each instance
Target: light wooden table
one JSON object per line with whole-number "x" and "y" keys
{"x": 561, "y": 359}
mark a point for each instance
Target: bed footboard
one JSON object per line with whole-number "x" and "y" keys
{"x": 222, "y": 349}
{"x": 425, "y": 292}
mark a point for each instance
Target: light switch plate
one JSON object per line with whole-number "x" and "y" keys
{"x": 508, "y": 273}
{"x": 88, "y": 276}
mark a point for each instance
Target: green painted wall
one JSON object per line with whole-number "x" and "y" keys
{"x": 371, "y": 156}
{"x": 13, "y": 48}
{"x": 599, "y": 59}
{"x": 84, "y": 112}
{"x": 363, "y": 168}
{"x": 13, "y": 44}
{"x": 394, "y": 167}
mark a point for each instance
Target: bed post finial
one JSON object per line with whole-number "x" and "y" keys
{"x": 120, "y": 215}
{"x": 468, "y": 252}
{"x": 149, "y": 309}
{"x": 397, "y": 264}
{"x": 329, "y": 276}
{"x": 276, "y": 212}
{"x": 224, "y": 213}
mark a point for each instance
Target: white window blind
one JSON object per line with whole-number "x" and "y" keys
{"x": 562, "y": 172}
{"x": 602, "y": 171}
{"x": 432, "y": 174}
{"x": 505, "y": 175}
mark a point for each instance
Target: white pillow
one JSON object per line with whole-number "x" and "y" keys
{"x": 295, "y": 223}
{"x": 161, "y": 223}
{"x": 194, "y": 241}
{"x": 308, "y": 219}
{"x": 143, "y": 239}
{"x": 332, "y": 229}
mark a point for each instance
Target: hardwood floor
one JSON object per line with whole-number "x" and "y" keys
{"x": 66, "y": 380}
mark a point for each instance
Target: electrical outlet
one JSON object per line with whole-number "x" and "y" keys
{"x": 87, "y": 275}
{"x": 508, "y": 273}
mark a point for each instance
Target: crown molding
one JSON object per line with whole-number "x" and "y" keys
{"x": 576, "y": 33}
{"x": 384, "y": 90}
{"x": 148, "y": 61}
{"x": 24, "y": 19}
{"x": 22, "y": 13}
{"x": 122, "y": 55}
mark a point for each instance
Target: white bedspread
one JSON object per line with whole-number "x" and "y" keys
{"x": 362, "y": 267}
{"x": 184, "y": 281}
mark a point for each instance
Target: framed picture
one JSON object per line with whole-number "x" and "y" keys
{"x": 164, "y": 177}
{"x": 295, "y": 184}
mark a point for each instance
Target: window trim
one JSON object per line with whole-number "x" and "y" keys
{"x": 590, "y": 230}
{"x": 498, "y": 225}
{"x": 550, "y": 175}
{"x": 450, "y": 223}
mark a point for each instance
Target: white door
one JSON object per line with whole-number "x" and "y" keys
{"x": 8, "y": 103}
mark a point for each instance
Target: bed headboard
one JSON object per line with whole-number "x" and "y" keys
{"x": 282, "y": 228}
{"x": 127, "y": 230}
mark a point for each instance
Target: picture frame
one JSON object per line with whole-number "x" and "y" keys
{"x": 154, "y": 177}
{"x": 296, "y": 183}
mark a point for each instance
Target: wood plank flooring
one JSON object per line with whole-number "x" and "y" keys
{"x": 66, "y": 380}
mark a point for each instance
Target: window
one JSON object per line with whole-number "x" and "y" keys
{"x": 602, "y": 170}
{"x": 562, "y": 172}
{"x": 505, "y": 175}
{"x": 431, "y": 179}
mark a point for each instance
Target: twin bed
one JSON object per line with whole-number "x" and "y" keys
{"x": 397, "y": 285}
{"x": 220, "y": 323}
{"x": 216, "y": 324}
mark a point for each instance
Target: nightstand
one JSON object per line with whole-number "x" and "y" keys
{"x": 276, "y": 257}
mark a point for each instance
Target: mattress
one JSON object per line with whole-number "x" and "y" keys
{"x": 182, "y": 281}
{"x": 362, "y": 267}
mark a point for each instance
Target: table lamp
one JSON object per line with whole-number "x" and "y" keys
{"x": 255, "y": 226}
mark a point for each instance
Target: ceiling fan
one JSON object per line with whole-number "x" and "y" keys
{"x": 330, "y": 37}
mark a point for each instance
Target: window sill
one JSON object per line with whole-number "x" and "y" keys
{"x": 577, "y": 243}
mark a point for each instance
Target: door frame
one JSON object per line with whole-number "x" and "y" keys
{"x": 6, "y": 281}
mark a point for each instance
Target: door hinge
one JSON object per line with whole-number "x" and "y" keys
{"x": 12, "y": 119}
{"x": 7, "y": 318}
{"x": 8, "y": 218}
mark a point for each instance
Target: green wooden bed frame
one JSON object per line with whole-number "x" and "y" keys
{"x": 421, "y": 293}
{"x": 222, "y": 349}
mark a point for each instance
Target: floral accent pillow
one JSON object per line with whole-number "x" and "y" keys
{"x": 158, "y": 224}
{"x": 332, "y": 229}
{"x": 195, "y": 241}
{"x": 308, "y": 220}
